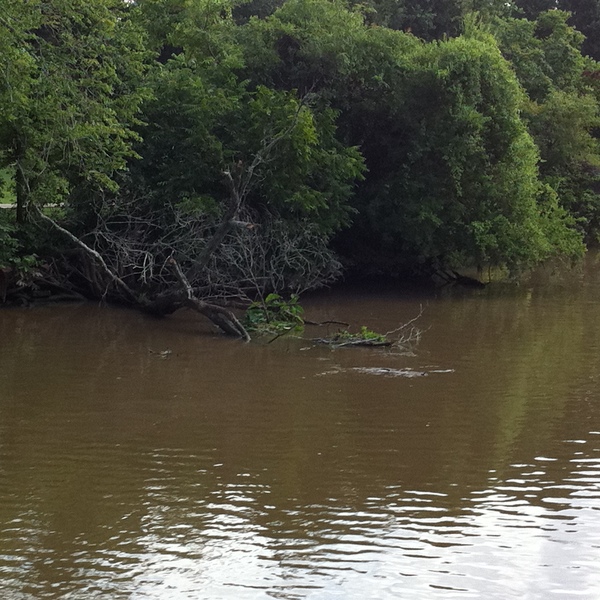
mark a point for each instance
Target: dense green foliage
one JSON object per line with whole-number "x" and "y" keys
{"x": 452, "y": 170}
{"x": 562, "y": 110}
{"x": 275, "y": 315}
{"x": 584, "y": 16}
{"x": 69, "y": 95}
{"x": 448, "y": 133}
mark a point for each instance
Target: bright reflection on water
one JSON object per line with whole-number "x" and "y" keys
{"x": 225, "y": 470}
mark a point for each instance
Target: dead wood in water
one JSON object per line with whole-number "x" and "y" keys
{"x": 344, "y": 344}
{"x": 222, "y": 317}
{"x": 162, "y": 303}
{"x": 406, "y": 336}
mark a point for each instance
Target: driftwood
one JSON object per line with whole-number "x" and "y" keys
{"x": 322, "y": 323}
{"x": 90, "y": 251}
{"x": 352, "y": 343}
{"x": 436, "y": 269}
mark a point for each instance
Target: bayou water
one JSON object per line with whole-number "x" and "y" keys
{"x": 147, "y": 459}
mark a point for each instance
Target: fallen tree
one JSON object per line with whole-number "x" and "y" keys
{"x": 163, "y": 303}
{"x": 205, "y": 266}
{"x": 160, "y": 254}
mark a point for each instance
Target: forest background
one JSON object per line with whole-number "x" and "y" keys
{"x": 216, "y": 153}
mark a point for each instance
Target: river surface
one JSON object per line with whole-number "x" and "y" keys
{"x": 154, "y": 459}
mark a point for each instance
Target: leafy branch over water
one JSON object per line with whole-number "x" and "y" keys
{"x": 276, "y": 316}
{"x": 406, "y": 337}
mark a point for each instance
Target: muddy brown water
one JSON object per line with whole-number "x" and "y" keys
{"x": 145, "y": 459}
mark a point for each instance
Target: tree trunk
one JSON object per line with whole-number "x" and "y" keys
{"x": 21, "y": 192}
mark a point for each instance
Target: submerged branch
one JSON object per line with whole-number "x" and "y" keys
{"x": 357, "y": 342}
{"x": 220, "y": 316}
{"x": 406, "y": 336}
{"x": 322, "y": 323}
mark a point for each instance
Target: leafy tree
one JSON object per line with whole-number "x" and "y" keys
{"x": 463, "y": 183}
{"x": 427, "y": 19}
{"x": 206, "y": 112}
{"x": 431, "y": 19}
{"x": 452, "y": 171}
{"x": 531, "y": 9}
{"x": 238, "y": 185}
{"x": 545, "y": 53}
{"x": 244, "y": 11}
{"x": 196, "y": 121}
{"x": 561, "y": 127}
{"x": 71, "y": 75}
{"x": 223, "y": 167}
{"x": 562, "y": 112}
{"x": 585, "y": 17}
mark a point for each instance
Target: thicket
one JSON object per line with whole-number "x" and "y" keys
{"x": 209, "y": 153}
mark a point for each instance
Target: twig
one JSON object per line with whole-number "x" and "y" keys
{"x": 317, "y": 324}
{"x": 335, "y": 344}
{"x": 90, "y": 251}
{"x": 405, "y": 325}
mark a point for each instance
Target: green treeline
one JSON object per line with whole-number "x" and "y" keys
{"x": 258, "y": 142}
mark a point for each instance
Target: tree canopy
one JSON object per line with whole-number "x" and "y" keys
{"x": 244, "y": 143}
{"x": 71, "y": 89}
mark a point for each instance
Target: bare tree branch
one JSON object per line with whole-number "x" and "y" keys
{"x": 91, "y": 252}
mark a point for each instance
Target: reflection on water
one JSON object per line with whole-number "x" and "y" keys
{"x": 148, "y": 459}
